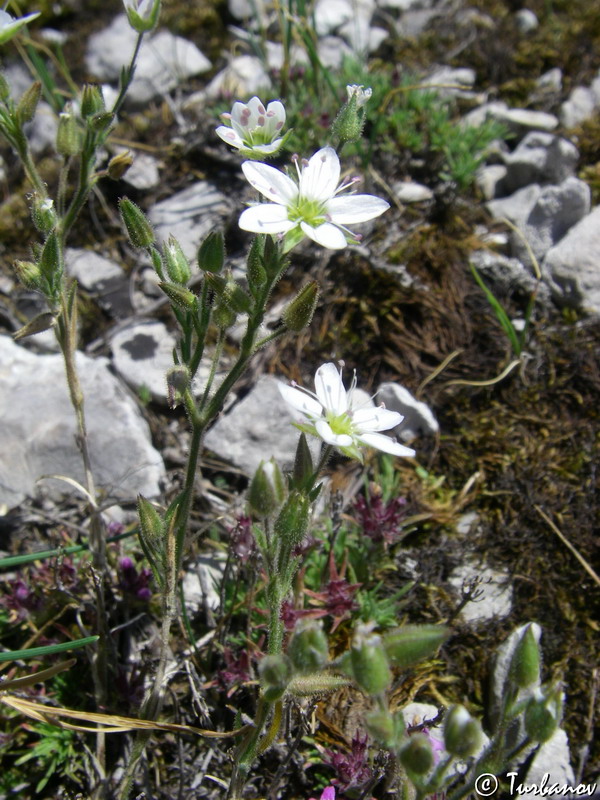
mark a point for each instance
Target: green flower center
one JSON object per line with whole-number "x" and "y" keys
{"x": 310, "y": 211}
{"x": 340, "y": 424}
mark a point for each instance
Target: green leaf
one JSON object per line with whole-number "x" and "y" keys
{"x": 35, "y": 652}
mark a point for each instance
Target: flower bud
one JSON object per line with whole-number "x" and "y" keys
{"x": 4, "y": 88}
{"x": 292, "y": 523}
{"x": 255, "y": 270}
{"x": 319, "y": 683}
{"x": 275, "y": 672}
{"x": 29, "y": 274}
{"x": 543, "y": 715}
{"x": 211, "y": 255}
{"x": 308, "y": 648}
{"x": 179, "y": 296}
{"x": 142, "y": 15}
{"x": 370, "y": 665}
{"x": 298, "y": 314}
{"x": 412, "y": 643}
{"x": 462, "y": 733}
{"x": 175, "y": 263}
{"x": 27, "y": 105}
{"x": 267, "y": 489}
{"x": 50, "y": 261}
{"x": 223, "y": 316}
{"x": 525, "y": 664}
{"x": 43, "y": 213}
{"x": 417, "y": 755}
{"x": 303, "y": 464}
{"x": 67, "y": 135}
{"x": 387, "y": 729}
{"x": 138, "y": 228}
{"x": 118, "y": 165}
{"x": 100, "y": 123}
{"x": 152, "y": 535}
{"x": 92, "y": 101}
{"x": 178, "y": 382}
{"x": 349, "y": 123}
{"x": 236, "y": 298}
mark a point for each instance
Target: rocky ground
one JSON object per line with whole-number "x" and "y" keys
{"x": 506, "y": 489}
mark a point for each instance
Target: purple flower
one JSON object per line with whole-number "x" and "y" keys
{"x": 352, "y": 768}
{"x": 133, "y": 582}
{"x": 241, "y": 538}
{"x": 328, "y": 793}
{"x": 380, "y": 521}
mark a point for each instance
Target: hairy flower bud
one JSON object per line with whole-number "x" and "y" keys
{"x": 29, "y": 274}
{"x": 303, "y": 464}
{"x": 255, "y": 270}
{"x": 462, "y": 733}
{"x": 275, "y": 672}
{"x": 412, "y": 643}
{"x": 50, "y": 261}
{"x": 387, "y": 729}
{"x": 267, "y": 489}
{"x": 298, "y": 314}
{"x": 175, "y": 262}
{"x": 138, "y": 228}
{"x": 308, "y": 648}
{"x": 292, "y": 523}
{"x": 179, "y": 296}
{"x": 67, "y": 135}
{"x": 236, "y": 298}
{"x": 349, "y": 123}
{"x": 92, "y": 100}
{"x": 370, "y": 665}
{"x": 43, "y": 213}
{"x": 27, "y": 105}
{"x": 118, "y": 165}
{"x": 417, "y": 755}
{"x": 4, "y": 88}
{"x": 543, "y": 715}
{"x": 211, "y": 254}
{"x": 152, "y": 536}
{"x": 525, "y": 664}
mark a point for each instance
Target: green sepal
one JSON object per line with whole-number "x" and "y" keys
{"x": 179, "y": 295}
{"x": 27, "y": 105}
{"x": 412, "y": 643}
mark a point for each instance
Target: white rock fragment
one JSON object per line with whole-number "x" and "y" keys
{"x": 495, "y": 591}
{"x": 418, "y": 417}
{"x": 410, "y": 192}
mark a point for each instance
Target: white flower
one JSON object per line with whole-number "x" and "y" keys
{"x": 329, "y": 412}
{"x": 362, "y": 95}
{"x": 253, "y": 128}
{"x": 142, "y": 14}
{"x": 9, "y": 26}
{"x": 309, "y": 207}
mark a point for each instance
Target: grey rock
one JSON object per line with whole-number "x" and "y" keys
{"x": 484, "y": 112}
{"x": 242, "y": 77}
{"x": 539, "y": 158}
{"x": 257, "y": 427}
{"x": 517, "y": 207}
{"x": 362, "y": 36}
{"x": 551, "y": 80}
{"x": 572, "y": 266}
{"x": 331, "y": 15}
{"x": 508, "y": 275}
{"x": 522, "y": 120}
{"x": 403, "y": 5}
{"x": 201, "y": 584}
{"x": 554, "y": 759}
{"x": 526, "y": 20}
{"x": 414, "y": 21}
{"x": 142, "y": 354}
{"x": 189, "y": 215}
{"x": 332, "y": 51}
{"x": 38, "y": 429}
{"x": 495, "y": 591}
{"x": 490, "y": 179}
{"x": 582, "y": 103}
{"x": 502, "y": 661}
{"x": 41, "y": 131}
{"x": 143, "y": 174}
{"x": 418, "y": 417}
{"x": 409, "y": 192}
{"x": 443, "y": 78}
{"x": 256, "y": 10}
{"x": 102, "y": 277}
{"x": 164, "y": 60}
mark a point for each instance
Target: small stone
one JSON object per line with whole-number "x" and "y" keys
{"x": 495, "y": 599}
{"x": 101, "y": 276}
{"x": 330, "y": 15}
{"x": 243, "y": 77}
{"x": 201, "y": 584}
{"x": 580, "y": 105}
{"x": 142, "y": 354}
{"x": 409, "y": 192}
{"x": 539, "y": 157}
{"x": 143, "y": 174}
{"x": 418, "y": 417}
{"x": 489, "y": 179}
{"x": 526, "y": 20}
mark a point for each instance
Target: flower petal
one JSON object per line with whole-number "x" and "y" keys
{"x": 320, "y": 177}
{"x": 330, "y": 389}
{"x": 327, "y": 235}
{"x": 300, "y": 401}
{"x": 375, "y": 419}
{"x": 267, "y": 149}
{"x": 271, "y": 182}
{"x": 382, "y": 442}
{"x": 328, "y": 436}
{"x": 229, "y": 135}
{"x": 355, "y": 208}
{"x": 266, "y": 218}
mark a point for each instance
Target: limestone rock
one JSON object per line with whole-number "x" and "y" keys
{"x": 418, "y": 417}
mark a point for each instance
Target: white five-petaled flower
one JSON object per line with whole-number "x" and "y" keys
{"x": 362, "y": 95}
{"x": 311, "y": 206}
{"x": 254, "y": 129}
{"x": 330, "y": 413}
{"x": 9, "y": 26}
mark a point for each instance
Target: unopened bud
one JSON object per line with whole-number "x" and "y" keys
{"x": 178, "y": 382}
{"x": 175, "y": 262}
{"x": 275, "y": 673}
{"x": 118, "y": 165}
{"x": 255, "y": 270}
{"x": 211, "y": 255}
{"x": 29, "y": 274}
{"x": 138, "y": 228}
{"x": 298, "y": 314}
{"x": 462, "y": 733}
{"x": 68, "y": 140}
{"x": 303, "y": 464}
{"x": 50, "y": 261}
{"x": 525, "y": 664}
{"x": 349, "y": 123}
{"x": 319, "y": 683}
{"x": 27, "y": 105}
{"x": 152, "y": 539}
{"x": 386, "y": 728}
{"x": 43, "y": 213}
{"x": 4, "y": 88}
{"x": 412, "y": 643}
{"x": 308, "y": 646}
{"x": 92, "y": 101}
{"x": 291, "y": 525}
{"x": 223, "y": 316}
{"x": 370, "y": 665}
{"x": 267, "y": 489}
{"x": 543, "y": 715}
{"x": 100, "y": 123}
{"x": 178, "y": 295}
{"x": 236, "y": 298}
{"x": 142, "y": 15}
{"x": 417, "y": 755}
